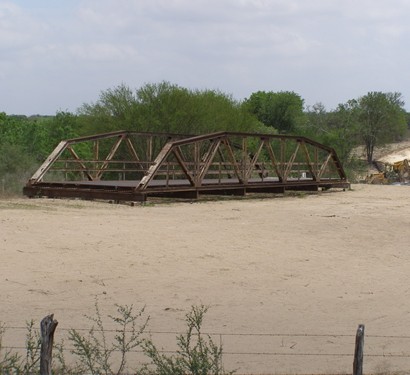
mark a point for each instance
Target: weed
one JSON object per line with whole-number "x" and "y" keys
{"x": 95, "y": 354}
{"x": 62, "y": 367}
{"x": 13, "y": 363}
{"x": 197, "y": 353}
{"x": 33, "y": 344}
{"x": 9, "y": 362}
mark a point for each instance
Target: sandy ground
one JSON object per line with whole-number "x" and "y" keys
{"x": 283, "y": 272}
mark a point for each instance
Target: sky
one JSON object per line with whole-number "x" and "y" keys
{"x": 56, "y": 55}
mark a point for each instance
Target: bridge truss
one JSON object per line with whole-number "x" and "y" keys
{"x": 131, "y": 166}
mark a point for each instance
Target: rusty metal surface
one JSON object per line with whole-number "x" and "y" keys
{"x": 128, "y": 166}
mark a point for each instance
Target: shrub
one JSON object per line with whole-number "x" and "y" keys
{"x": 197, "y": 354}
{"x": 95, "y": 353}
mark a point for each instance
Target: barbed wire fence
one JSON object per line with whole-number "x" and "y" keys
{"x": 259, "y": 353}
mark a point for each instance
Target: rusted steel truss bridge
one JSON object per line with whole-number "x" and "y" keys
{"x": 131, "y": 166}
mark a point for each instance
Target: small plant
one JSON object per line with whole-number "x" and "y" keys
{"x": 95, "y": 353}
{"x": 33, "y": 345}
{"x": 197, "y": 353}
{"x": 13, "y": 363}
{"x": 60, "y": 366}
{"x": 9, "y": 361}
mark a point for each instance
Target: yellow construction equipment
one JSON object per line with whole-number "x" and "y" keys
{"x": 402, "y": 168}
{"x": 377, "y": 179}
{"x": 388, "y": 173}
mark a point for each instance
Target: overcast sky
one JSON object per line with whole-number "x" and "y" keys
{"x": 58, "y": 54}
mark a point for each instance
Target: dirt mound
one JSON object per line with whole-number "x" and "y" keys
{"x": 395, "y": 152}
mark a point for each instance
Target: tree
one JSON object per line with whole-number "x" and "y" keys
{"x": 116, "y": 109}
{"x": 167, "y": 108}
{"x": 408, "y": 120}
{"x": 337, "y": 128}
{"x": 381, "y": 119}
{"x": 342, "y": 135}
{"x": 317, "y": 121}
{"x": 282, "y": 110}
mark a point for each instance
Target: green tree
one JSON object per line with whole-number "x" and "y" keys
{"x": 13, "y": 129}
{"x": 165, "y": 107}
{"x": 343, "y": 130}
{"x": 26, "y": 142}
{"x": 381, "y": 119}
{"x": 317, "y": 122}
{"x": 282, "y": 110}
{"x": 337, "y": 128}
{"x": 15, "y": 162}
{"x": 16, "y": 166}
{"x": 116, "y": 109}
{"x": 44, "y": 133}
{"x": 408, "y": 120}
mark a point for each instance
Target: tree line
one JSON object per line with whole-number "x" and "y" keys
{"x": 370, "y": 120}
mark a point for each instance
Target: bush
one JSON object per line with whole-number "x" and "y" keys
{"x": 197, "y": 354}
{"x": 15, "y": 169}
{"x": 13, "y": 363}
{"x": 95, "y": 353}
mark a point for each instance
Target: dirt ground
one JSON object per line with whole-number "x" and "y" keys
{"x": 289, "y": 278}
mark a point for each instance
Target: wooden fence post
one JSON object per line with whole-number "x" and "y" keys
{"x": 358, "y": 351}
{"x": 48, "y": 326}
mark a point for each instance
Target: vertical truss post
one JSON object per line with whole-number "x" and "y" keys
{"x": 96, "y": 149}
{"x": 149, "y": 148}
{"x": 197, "y": 161}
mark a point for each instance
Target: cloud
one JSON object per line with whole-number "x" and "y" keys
{"x": 18, "y": 31}
{"x": 102, "y": 52}
{"x": 328, "y": 51}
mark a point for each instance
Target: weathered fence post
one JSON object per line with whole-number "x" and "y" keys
{"x": 358, "y": 351}
{"x": 48, "y": 326}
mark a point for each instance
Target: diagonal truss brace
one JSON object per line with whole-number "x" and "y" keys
{"x": 109, "y": 157}
{"x": 207, "y": 159}
{"x": 274, "y": 161}
{"x": 44, "y": 168}
{"x": 233, "y": 160}
{"x": 290, "y": 163}
{"x": 255, "y": 158}
{"x": 309, "y": 161}
{"x": 79, "y": 161}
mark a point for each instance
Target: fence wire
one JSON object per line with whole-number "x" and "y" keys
{"x": 227, "y": 352}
